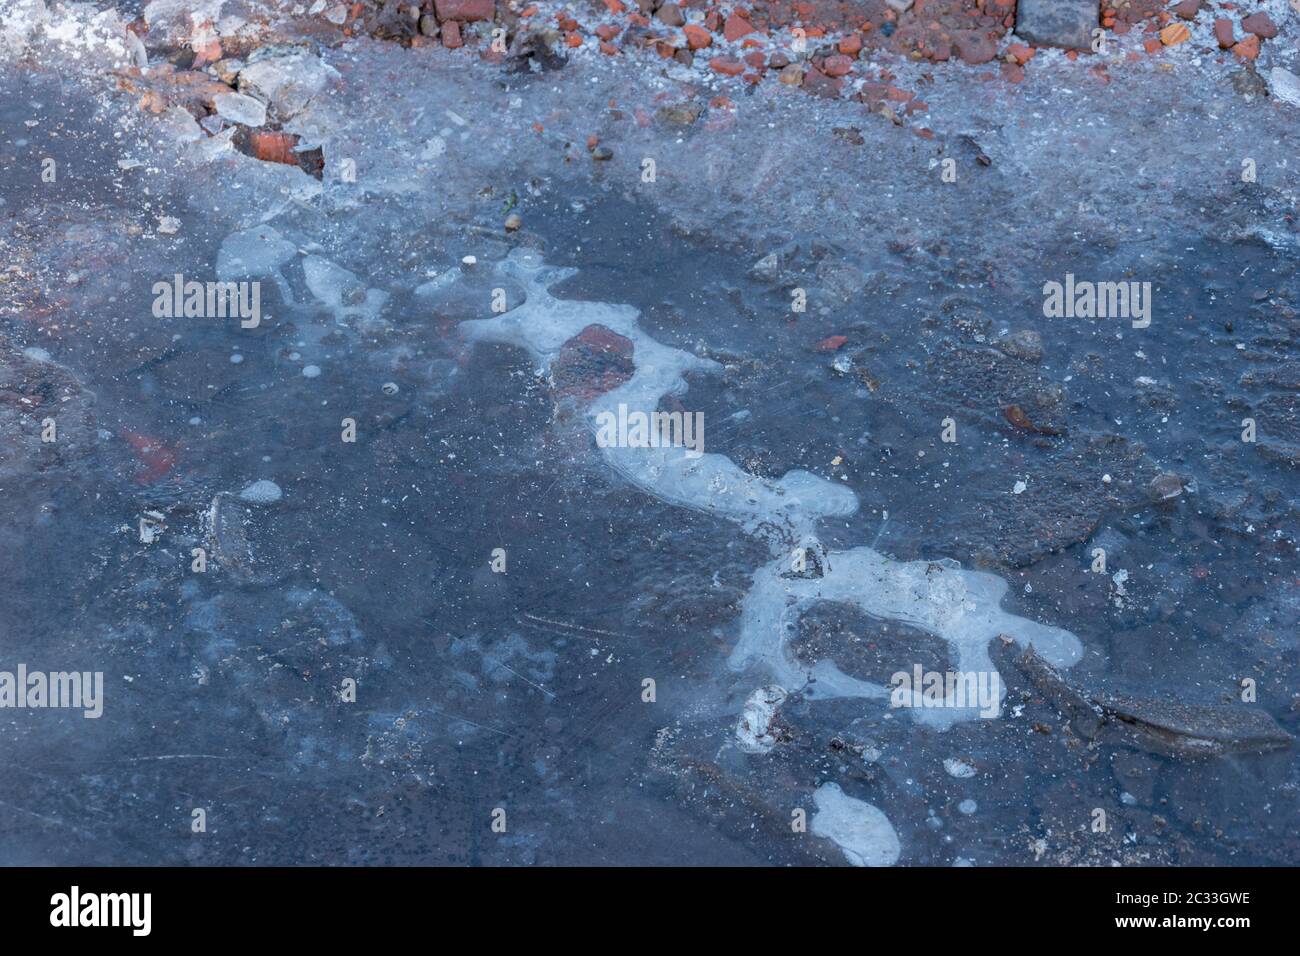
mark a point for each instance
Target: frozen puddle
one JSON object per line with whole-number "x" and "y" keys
{"x": 961, "y": 607}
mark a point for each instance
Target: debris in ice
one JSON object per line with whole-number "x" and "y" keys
{"x": 310, "y": 371}
{"x": 227, "y": 536}
{"x": 968, "y": 807}
{"x": 754, "y": 730}
{"x": 861, "y": 831}
{"x": 958, "y": 768}
{"x": 1019, "y": 488}
{"x": 169, "y": 225}
{"x": 1168, "y": 727}
{"x": 262, "y": 492}
{"x": 151, "y": 526}
{"x": 240, "y": 108}
{"x": 1193, "y": 730}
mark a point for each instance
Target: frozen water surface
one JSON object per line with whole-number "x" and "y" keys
{"x": 427, "y": 589}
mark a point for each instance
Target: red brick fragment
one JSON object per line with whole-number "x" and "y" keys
{"x": 737, "y": 27}
{"x": 273, "y": 147}
{"x": 697, "y": 38}
{"x": 465, "y": 10}
{"x": 1260, "y": 25}
{"x": 1248, "y": 48}
{"x": 1224, "y": 33}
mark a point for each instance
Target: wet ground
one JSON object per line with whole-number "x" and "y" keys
{"x": 523, "y": 689}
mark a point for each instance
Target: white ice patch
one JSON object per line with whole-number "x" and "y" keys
{"x": 256, "y": 253}
{"x": 239, "y": 108}
{"x": 341, "y": 291}
{"x": 711, "y": 483}
{"x": 860, "y": 830}
{"x": 961, "y": 607}
{"x": 262, "y": 492}
{"x": 1284, "y": 85}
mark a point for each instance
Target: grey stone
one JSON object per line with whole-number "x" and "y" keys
{"x": 670, "y": 14}
{"x": 1063, "y": 23}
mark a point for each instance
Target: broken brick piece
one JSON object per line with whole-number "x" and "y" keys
{"x": 697, "y": 38}
{"x": 1020, "y": 53}
{"x": 1248, "y": 48}
{"x": 1260, "y": 24}
{"x": 1224, "y": 33}
{"x": 737, "y": 27}
{"x": 1175, "y": 34}
{"x": 837, "y": 65}
{"x": 465, "y": 10}
{"x": 273, "y": 146}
